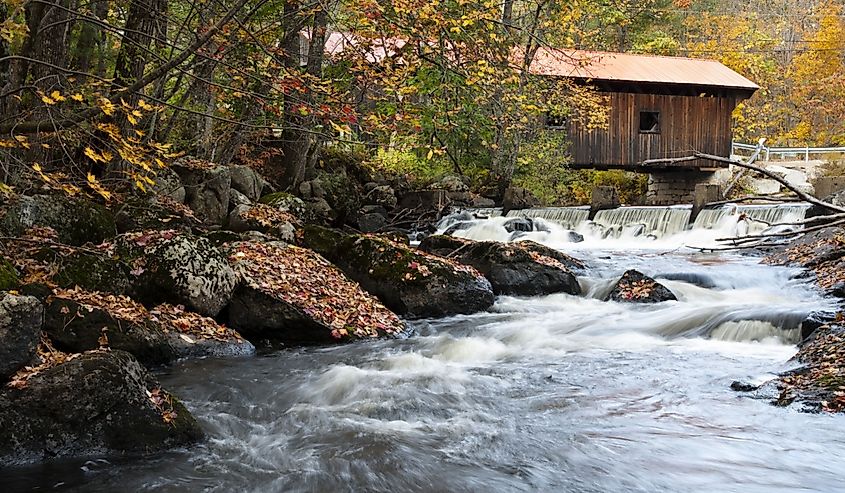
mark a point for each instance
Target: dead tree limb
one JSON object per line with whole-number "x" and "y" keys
{"x": 769, "y": 174}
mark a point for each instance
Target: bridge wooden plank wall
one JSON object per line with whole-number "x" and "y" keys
{"x": 687, "y": 123}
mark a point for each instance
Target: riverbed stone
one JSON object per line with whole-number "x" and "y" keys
{"x": 410, "y": 282}
{"x": 20, "y": 330}
{"x": 207, "y": 188}
{"x": 636, "y": 287}
{"x": 101, "y": 403}
{"x": 523, "y": 268}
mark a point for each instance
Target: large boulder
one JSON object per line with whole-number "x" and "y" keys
{"x": 79, "y": 321}
{"x": 75, "y": 221}
{"x": 524, "y": 268}
{"x": 20, "y": 330}
{"x": 247, "y": 181}
{"x": 156, "y": 212}
{"x": 410, "y": 282}
{"x": 168, "y": 184}
{"x": 207, "y": 188}
{"x": 265, "y": 219}
{"x": 636, "y": 287}
{"x": 517, "y": 198}
{"x": 90, "y": 271}
{"x": 292, "y": 295}
{"x": 192, "y": 335}
{"x": 381, "y": 195}
{"x": 92, "y": 404}
{"x": 178, "y": 268}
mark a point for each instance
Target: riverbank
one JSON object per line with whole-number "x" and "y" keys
{"x": 818, "y": 384}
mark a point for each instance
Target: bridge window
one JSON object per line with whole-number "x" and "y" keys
{"x": 649, "y": 122}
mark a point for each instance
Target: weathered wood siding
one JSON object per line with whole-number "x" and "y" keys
{"x": 687, "y": 124}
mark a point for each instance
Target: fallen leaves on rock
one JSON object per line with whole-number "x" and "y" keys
{"x": 304, "y": 279}
{"x": 636, "y": 290}
{"x": 163, "y": 403}
{"x": 192, "y": 326}
{"x": 823, "y": 253}
{"x": 821, "y": 383}
{"x": 267, "y": 216}
{"x": 47, "y": 357}
{"x": 118, "y": 306}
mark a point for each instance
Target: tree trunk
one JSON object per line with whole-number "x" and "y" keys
{"x": 146, "y": 22}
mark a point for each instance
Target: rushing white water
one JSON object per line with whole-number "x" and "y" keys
{"x": 555, "y": 393}
{"x": 568, "y": 217}
{"x": 636, "y": 228}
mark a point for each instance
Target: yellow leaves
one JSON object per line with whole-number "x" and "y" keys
{"x": 77, "y": 97}
{"x": 106, "y": 106}
{"x": 53, "y": 98}
{"x": 93, "y": 155}
{"x": 97, "y": 187}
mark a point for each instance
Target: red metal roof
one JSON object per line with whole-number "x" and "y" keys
{"x": 626, "y": 67}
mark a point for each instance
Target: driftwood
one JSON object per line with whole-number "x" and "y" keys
{"x": 756, "y": 241}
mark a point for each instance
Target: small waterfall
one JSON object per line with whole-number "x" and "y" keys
{"x": 568, "y": 217}
{"x": 762, "y": 216}
{"x": 643, "y": 221}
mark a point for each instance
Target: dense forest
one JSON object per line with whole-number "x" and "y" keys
{"x": 100, "y": 93}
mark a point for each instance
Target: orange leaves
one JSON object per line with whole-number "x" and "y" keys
{"x": 307, "y": 281}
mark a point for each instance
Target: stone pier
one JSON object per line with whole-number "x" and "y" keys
{"x": 675, "y": 187}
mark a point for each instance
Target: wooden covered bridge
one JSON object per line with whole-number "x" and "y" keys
{"x": 660, "y": 107}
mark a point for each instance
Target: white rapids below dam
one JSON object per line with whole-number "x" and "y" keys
{"x": 549, "y": 394}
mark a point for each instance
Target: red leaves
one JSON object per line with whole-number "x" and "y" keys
{"x": 193, "y": 325}
{"x": 306, "y": 280}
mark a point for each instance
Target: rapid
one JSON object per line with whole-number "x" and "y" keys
{"x": 557, "y": 393}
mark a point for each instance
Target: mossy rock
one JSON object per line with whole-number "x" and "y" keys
{"x": 76, "y": 221}
{"x": 409, "y": 282}
{"x": 9, "y": 279}
{"x": 178, "y": 268}
{"x": 99, "y": 403}
{"x": 93, "y": 273}
{"x": 344, "y": 197}
{"x": 140, "y": 214}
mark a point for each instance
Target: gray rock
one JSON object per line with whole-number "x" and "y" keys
{"x": 525, "y": 268}
{"x": 20, "y": 330}
{"x": 382, "y": 195}
{"x": 178, "y": 268}
{"x": 636, "y": 287}
{"x": 76, "y": 221}
{"x": 95, "y": 404}
{"x": 76, "y": 327}
{"x": 451, "y": 183}
{"x": 239, "y": 222}
{"x": 371, "y": 223}
{"x": 247, "y": 181}
{"x": 168, "y": 183}
{"x": 406, "y": 281}
{"x": 207, "y": 191}
{"x": 236, "y": 198}
{"x": 518, "y": 198}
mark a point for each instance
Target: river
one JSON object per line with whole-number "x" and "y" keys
{"x": 557, "y": 393}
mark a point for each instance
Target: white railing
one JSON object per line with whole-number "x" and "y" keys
{"x": 786, "y": 153}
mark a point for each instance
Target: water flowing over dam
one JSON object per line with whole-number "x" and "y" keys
{"x": 554, "y": 393}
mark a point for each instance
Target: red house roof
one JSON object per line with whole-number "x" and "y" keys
{"x": 626, "y": 67}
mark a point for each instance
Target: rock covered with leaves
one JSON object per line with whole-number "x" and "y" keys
{"x": 177, "y": 267}
{"x": 819, "y": 384}
{"x": 293, "y": 295}
{"x": 524, "y": 268}
{"x": 20, "y": 331}
{"x": 192, "y": 335}
{"x": 636, "y": 287}
{"x": 264, "y": 219}
{"x": 75, "y": 221}
{"x": 100, "y": 402}
{"x": 78, "y": 321}
{"x": 821, "y": 252}
{"x": 410, "y": 282}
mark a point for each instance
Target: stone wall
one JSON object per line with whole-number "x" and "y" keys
{"x": 675, "y": 187}
{"x": 828, "y": 185}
